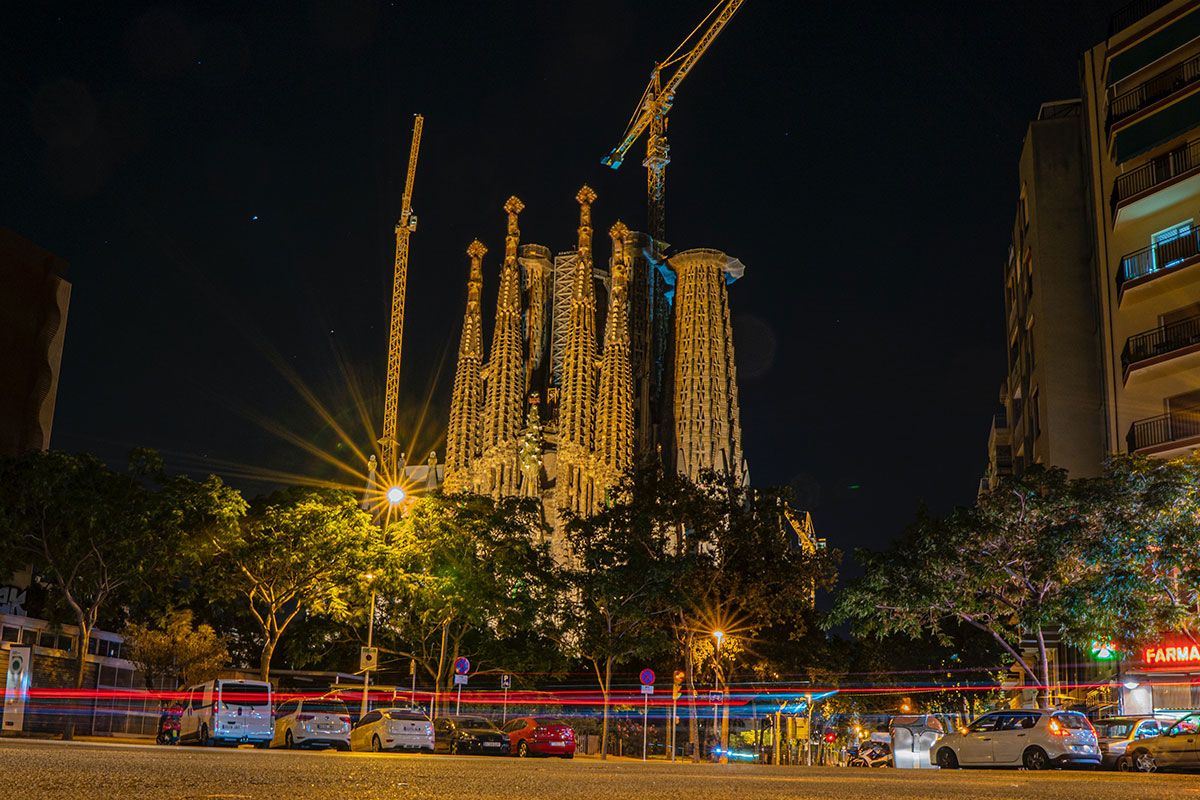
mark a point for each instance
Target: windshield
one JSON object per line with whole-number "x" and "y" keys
{"x": 404, "y": 714}
{"x": 336, "y": 707}
{"x": 1114, "y": 729}
{"x": 245, "y": 694}
{"x": 473, "y": 722}
{"x": 1072, "y": 720}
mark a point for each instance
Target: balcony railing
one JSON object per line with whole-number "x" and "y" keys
{"x": 1156, "y": 172}
{"x": 1128, "y": 14}
{"x": 1161, "y": 341}
{"x": 1159, "y": 256}
{"x": 1174, "y": 426}
{"x": 1183, "y": 74}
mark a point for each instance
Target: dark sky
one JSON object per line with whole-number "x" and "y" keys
{"x": 224, "y": 179}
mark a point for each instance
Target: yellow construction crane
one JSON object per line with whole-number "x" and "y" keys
{"x": 651, "y": 113}
{"x": 389, "y": 445}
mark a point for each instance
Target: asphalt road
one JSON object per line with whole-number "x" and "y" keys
{"x": 38, "y": 769}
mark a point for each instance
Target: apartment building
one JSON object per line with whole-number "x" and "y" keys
{"x": 1141, "y": 104}
{"x": 1050, "y": 409}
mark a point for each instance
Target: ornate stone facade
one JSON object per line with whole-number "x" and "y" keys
{"x": 549, "y": 416}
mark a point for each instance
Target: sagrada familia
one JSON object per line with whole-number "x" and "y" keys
{"x": 557, "y": 412}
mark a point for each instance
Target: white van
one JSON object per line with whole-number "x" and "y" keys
{"x": 227, "y": 712}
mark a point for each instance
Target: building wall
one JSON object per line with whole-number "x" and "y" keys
{"x": 33, "y": 318}
{"x": 1142, "y": 119}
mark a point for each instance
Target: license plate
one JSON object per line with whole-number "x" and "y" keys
{"x": 558, "y": 744}
{"x": 491, "y": 744}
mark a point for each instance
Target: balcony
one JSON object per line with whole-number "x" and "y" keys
{"x": 1161, "y": 86}
{"x": 1130, "y": 13}
{"x": 1160, "y": 258}
{"x": 1174, "y": 430}
{"x": 1161, "y": 344}
{"x": 1153, "y": 176}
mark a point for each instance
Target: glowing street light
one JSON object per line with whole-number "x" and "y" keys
{"x": 719, "y": 636}
{"x": 396, "y": 495}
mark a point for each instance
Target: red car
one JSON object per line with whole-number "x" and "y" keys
{"x": 541, "y": 736}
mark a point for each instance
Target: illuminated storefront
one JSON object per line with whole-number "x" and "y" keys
{"x": 1161, "y": 678}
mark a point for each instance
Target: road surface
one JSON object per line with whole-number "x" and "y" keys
{"x": 52, "y": 770}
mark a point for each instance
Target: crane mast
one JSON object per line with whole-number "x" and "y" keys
{"x": 651, "y": 116}
{"x": 389, "y": 444}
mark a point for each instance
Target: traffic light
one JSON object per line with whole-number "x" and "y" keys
{"x": 677, "y": 686}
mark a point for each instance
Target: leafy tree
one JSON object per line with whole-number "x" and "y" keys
{"x": 175, "y": 652}
{"x": 1142, "y": 576}
{"x": 296, "y": 550}
{"x": 97, "y": 538}
{"x": 1008, "y": 567}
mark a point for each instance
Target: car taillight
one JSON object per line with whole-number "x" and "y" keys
{"x": 345, "y": 720}
{"x": 1057, "y": 730}
{"x": 303, "y": 717}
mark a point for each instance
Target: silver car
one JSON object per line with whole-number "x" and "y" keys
{"x": 1117, "y": 734}
{"x": 1029, "y": 737}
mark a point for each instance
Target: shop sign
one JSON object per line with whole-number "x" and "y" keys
{"x": 1170, "y": 655}
{"x": 12, "y": 600}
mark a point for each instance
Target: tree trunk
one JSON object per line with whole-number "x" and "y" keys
{"x": 85, "y": 631}
{"x": 604, "y": 723}
{"x": 437, "y": 682}
{"x": 1044, "y": 696}
{"x": 264, "y": 663}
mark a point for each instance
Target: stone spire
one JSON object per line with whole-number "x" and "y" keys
{"x": 614, "y": 413}
{"x": 463, "y": 435}
{"x": 708, "y": 431}
{"x": 576, "y": 410}
{"x": 505, "y": 374}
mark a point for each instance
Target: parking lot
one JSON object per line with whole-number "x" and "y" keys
{"x": 51, "y": 769}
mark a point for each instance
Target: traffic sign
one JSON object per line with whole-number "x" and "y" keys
{"x": 506, "y": 681}
{"x": 647, "y": 688}
{"x": 368, "y": 658}
{"x": 460, "y": 680}
{"x": 716, "y": 698}
{"x": 647, "y": 677}
{"x": 461, "y": 665}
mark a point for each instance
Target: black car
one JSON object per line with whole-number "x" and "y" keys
{"x": 467, "y": 734}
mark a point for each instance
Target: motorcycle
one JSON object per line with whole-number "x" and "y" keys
{"x": 168, "y": 726}
{"x": 872, "y": 754}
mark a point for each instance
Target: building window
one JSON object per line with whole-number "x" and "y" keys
{"x": 48, "y": 640}
{"x": 1024, "y": 206}
{"x": 1034, "y": 413}
{"x": 29, "y": 636}
{"x": 1171, "y": 246}
{"x": 10, "y": 634}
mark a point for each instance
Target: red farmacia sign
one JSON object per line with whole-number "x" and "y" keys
{"x": 1172, "y": 654}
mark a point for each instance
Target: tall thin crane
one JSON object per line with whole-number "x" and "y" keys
{"x": 389, "y": 445}
{"x": 651, "y": 114}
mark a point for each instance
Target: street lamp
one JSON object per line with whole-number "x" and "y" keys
{"x": 719, "y": 635}
{"x": 369, "y": 577}
{"x": 395, "y": 495}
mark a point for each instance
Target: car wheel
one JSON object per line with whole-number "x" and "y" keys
{"x": 568, "y": 755}
{"x": 1035, "y": 758}
{"x": 454, "y": 747}
{"x": 288, "y": 741}
{"x": 1144, "y": 762}
{"x": 204, "y": 740}
{"x": 376, "y": 745}
{"x": 522, "y": 749}
{"x": 343, "y": 747}
{"x": 946, "y": 759}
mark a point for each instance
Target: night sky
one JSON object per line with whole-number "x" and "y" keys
{"x": 224, "y": 180}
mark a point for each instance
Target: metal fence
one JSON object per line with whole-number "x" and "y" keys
{"x": 1151, "y": 91}
{"x": 1156, "y": 171}
{"x": 1158, "y": 256}
{"x": 1173, "y": 426}
{"x": 1160, "y": 341}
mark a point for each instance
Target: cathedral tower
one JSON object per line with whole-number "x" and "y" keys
{"x": 463, "y": 435}
{"x": 614, "y": 413}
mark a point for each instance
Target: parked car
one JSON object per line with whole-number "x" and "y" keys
{"x": 540, "y": 736}
{"x": 312, "y": 722}
{"x": 1117, "y": 733}
{"x": 469, "y": 735}
{"x": 227, "y": 712}
{"x": 393, "y": 729}
{"x": 1030, "y": 738}
{"x": 1177, "y": 747}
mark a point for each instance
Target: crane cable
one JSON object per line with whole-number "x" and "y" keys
{"x": 671, "y": 59}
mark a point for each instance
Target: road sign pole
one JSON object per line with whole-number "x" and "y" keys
{"x": 458, "y": 702}
{"x": 674, "y": 724}
{"x": 645, "y": 721}
{"x": 504, "y": 716}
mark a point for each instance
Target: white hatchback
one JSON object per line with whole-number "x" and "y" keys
{"x": 1028, "y": 737}
{"x": 316, "y": 722}
{"x": 393, "y": 729}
